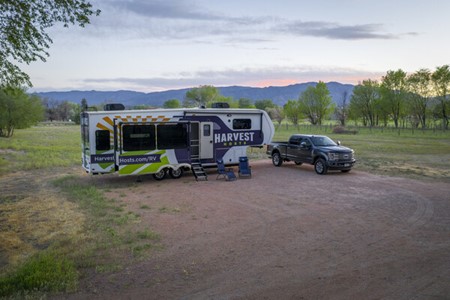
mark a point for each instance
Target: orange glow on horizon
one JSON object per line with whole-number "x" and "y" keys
{"x": 350, "y": 79}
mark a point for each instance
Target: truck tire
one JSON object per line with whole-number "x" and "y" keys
{"x": 276, "y": 159}
{"x": 320, "y": 166}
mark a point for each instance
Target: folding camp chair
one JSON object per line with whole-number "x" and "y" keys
{"x": 244, "y": 169}
{"x": 226, "y": 173}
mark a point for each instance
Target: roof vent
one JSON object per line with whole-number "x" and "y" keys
{"x": 114, "y": 106}
{"x": 220, "y": 105}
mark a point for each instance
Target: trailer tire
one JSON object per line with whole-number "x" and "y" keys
{"x": 160, "y": 175}
{"x": 276, "y": 159}
{"x": 176, "y": 173}
{"x": 320, "y": 166}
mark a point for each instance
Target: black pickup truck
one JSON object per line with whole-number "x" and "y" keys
{"x": 318, "y": 150}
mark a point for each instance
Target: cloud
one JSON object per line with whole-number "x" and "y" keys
{"x": 335, "y": 31}
{"x": 177, "y": 19}
{"x": 162, "y": 9}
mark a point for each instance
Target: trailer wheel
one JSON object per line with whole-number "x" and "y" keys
{"x": 160, "y": 175}
{"x": 320, "y": 166}
{"x": 276, "y": 159}
{"x": 176, "y": 173}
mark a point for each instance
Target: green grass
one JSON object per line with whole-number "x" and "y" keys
{"x": 44, "y": 272}
{"x": 40, "y": 147}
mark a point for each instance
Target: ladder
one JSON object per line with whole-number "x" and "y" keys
{"x": 196, "y": 164}
{"x": 197, "y": 169}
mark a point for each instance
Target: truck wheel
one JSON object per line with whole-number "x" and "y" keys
{"x": 176, "y": 173}
{"x": 320, "y": 166}
{"x": 160, "y": 175}
{"x": 276, "y": 159}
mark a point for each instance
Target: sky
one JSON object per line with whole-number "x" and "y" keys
{"x": 157, "y": 45}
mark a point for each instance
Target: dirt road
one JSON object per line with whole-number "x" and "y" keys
{"x": 287, "y": 233}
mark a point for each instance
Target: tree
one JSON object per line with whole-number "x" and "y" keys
{"x": 419, "y": 88}
{"x": 201, "y": 96}
{"x": 292, "y": 111}
{"x": 172, "y": 103}
{"x": 441, "y": 83}
{"x": 23, "y": 32}
{"x": 245, "y": 103}
{"x": 364, "y": 102}
{"x": 264, "y": 104}
{"x": 316, "y": 103}
{"x": 393, "y": 94}
{"x": 18, "y": 110}
{"x": 341, "y": 110}
{"x": 277, "y": 113}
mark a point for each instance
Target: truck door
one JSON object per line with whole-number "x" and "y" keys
{"x": 293, "y": 148}
{"x": 206, "y": 140}
{"x": 305, "y": 149}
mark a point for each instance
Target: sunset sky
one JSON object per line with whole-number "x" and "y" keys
{"x": 148, "y": 45}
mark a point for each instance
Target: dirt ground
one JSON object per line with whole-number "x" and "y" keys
{"x": 286, "y": 233}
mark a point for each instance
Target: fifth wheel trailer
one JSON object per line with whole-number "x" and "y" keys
{"x": 156, "y": 141}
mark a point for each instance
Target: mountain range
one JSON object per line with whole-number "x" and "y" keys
{"x": 278, "y": 94}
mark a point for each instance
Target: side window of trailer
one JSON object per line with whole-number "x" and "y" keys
{"x": 172, "y": 136}
{"x": 242, "y": 124}
{"x": 138, "y": 137}
{"x": 102, "y": 140}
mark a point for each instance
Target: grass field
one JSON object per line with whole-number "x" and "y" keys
{"x": 47, "y": 210}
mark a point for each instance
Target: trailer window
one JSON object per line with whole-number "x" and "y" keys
{"x": 138, "y": 137}
{"x": 102, "y": 140}
{"x": 172, "y": 136}
{"x": 242, "y": 124}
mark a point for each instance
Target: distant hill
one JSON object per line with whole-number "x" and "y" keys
{"x": 278, "y": 94}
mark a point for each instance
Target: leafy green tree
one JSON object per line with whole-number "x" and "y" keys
{"x": 18, "y": 110}
{"x": 245, "y": 103}
{"x": 292, "y": 111}
{"x": 264, "y": 104}
{"x": 315, "y": 103}
{"x": 201, "y": 96}
{"x": 419, "y": 97}
{"x": 172, "y": 103}
{"x": 364, "y": 102}
{"x": 23, "y": 32}
{"x": 441, "y": 83}
{"x": 394, "y": 94}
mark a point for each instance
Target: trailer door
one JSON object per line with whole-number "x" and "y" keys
{"x": 206, "y": 140}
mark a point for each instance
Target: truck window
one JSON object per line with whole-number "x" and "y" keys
{"x": 242, "y": 124}
{"x": 172, "y": 136}
{"x": 102, "y": 140}
{"x": 294, "y": 140}
{"x": 138, "y": 137}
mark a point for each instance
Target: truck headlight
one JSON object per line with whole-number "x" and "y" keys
{"x": 333, "y": 156}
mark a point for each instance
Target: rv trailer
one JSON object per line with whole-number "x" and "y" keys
{"x": 160, "y": 141}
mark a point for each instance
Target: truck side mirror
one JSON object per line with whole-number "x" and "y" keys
{"x": 338, "y": 142}
{"x": 303, "y": 145}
